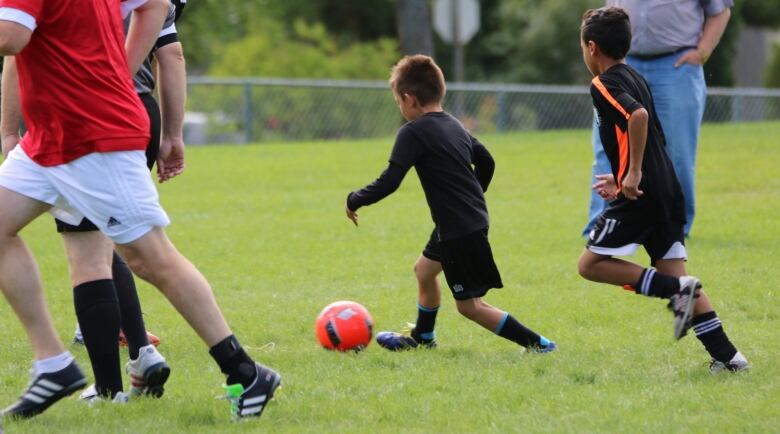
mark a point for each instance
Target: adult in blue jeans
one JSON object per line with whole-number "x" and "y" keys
{"x": 671, "y": 40}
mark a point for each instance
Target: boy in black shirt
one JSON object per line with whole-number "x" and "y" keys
{"x": 647, "y": 204}
{"x": 443, "y": 153}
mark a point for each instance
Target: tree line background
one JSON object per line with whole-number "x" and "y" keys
{"x": 528, "y": 41}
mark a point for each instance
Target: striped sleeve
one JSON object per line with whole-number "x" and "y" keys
{"x": 615, "y": 97}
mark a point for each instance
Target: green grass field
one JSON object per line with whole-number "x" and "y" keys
{"x": 266, "y": 225}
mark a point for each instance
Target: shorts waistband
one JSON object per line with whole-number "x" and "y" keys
{"x": 660, "y": 55}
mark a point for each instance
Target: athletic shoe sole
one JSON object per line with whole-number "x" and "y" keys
{"x": 155, "y": 378}
{"x": 682, "y": 323}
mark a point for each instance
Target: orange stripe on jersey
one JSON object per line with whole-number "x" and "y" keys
{"x": 622, "y": 139}
{"x": 603, "y": 90}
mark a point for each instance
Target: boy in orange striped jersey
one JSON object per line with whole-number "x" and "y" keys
{"x": 647, "y": 204}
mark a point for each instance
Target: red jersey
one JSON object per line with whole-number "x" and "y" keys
{"x": 76, "y": 91}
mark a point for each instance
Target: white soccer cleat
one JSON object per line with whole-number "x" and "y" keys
{"x": 736, "y": 364}
{"x": 682, "y": 304}
{"x": 148, "y": 373}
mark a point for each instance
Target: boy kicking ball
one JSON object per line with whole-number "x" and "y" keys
{"x": 443, "y": 153}
{"x": 646, "y": 205}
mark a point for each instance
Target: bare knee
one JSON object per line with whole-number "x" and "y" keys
{"x": 426, "y": 270}
{"x": 139, "y": 267}
{"x": 468, "y": 308}
{"x": 586, "y": 263}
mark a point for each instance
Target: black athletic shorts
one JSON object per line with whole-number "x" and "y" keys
{"x": 467, "y": 263}
{"x": 614, "y": 237}
{"x": 152, "y": 149}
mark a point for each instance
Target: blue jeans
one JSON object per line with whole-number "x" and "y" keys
{"x": 679, "y": 95}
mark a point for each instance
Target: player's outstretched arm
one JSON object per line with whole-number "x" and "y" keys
{"x": 172, "y": 78}
{"x": 10, "y": 109}
{"x": 637, "y": 139}
{"x": 145, "y": 26}
{"x": 385, "y": 185}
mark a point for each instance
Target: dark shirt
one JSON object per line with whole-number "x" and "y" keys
{"x": 617, "y": 93}
{"x": 442, "y": 152}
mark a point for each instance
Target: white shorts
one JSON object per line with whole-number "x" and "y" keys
{"x": 113, "y": 190}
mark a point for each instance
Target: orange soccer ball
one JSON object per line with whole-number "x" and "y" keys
{"x": 344, "y": 326}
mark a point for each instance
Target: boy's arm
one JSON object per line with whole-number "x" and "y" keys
{"x": 385, "y": 185}
{"x": 637, "y": 139}
{"x": 484, "y": 165}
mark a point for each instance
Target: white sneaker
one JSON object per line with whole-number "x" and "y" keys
{"x": 148, "y": 373}
{"x": 91, "y": 397}
{"x": 736, "y": 364}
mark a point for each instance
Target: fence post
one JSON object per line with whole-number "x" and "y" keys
{"x": 248, "y": 113}
{"x": 501, "y": 115}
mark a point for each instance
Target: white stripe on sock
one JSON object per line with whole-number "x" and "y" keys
{"x": 645, "y": 289}
{"x": 702, "y": 331}
{"x": 707, "y": 323}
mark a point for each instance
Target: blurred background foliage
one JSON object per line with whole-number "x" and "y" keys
{"x": 529, "y": 41}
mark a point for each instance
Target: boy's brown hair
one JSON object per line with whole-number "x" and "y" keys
{"x": 420, "y": 76}
{"x": 609, "y": 28}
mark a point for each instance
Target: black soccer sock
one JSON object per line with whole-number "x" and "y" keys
{"x": 511, "y": 329}
{"x": 710, "y": 332}
{"x": 426, "y": 320}
{"x": 654, "y": 284}
{"x": 129, "y": 307}
{"x": 97, "y": 311}
{"x": 233, "y": 361}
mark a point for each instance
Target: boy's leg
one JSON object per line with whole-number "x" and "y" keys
{"x": 96, "y": 304}
{"x": 428, "y": 300}
{"x": 707, "y": 326}
{"x": 501, "y": 323}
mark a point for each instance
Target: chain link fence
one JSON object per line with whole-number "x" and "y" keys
{"x": 263, "y": 110}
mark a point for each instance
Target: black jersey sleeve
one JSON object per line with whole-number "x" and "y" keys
{"x": 385, "y": 185}
{"x": 407, "y": 148}
{"x": 610, "y": 95}
{"x": 484, "y": 165}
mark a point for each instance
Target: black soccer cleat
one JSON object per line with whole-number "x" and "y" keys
{"x": 403, "y": 341}
{"x": 251, "y": 402}
{"x": 46, "y": 389}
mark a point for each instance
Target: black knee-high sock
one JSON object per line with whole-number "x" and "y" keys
{"x": 511, "y": 329}
{"x": 97, "y": 310}
{"x": 233, "y": 361}
{"x": 654, "y": 284}
{"x": 129, "y": 306}
{"x": 710, "y": 332}
{"x": 426, "y": 321}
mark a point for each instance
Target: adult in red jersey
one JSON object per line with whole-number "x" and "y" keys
{"x": 83, "y": 156}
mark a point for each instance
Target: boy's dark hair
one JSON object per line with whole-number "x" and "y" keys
{"x": 420, "y": 76}
{"x": 609, "y": 28}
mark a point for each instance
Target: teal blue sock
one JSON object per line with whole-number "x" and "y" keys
{"x": 426, "y": 320}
